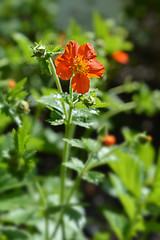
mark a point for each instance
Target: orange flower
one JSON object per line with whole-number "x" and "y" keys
{"x": 12, "y": 83}
{"x": 80, "y": 61}
{"x": 109, "y": 140}
{"x": 121, "y": 57}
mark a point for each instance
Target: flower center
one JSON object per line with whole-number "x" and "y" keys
{"x": 80, "y": 66}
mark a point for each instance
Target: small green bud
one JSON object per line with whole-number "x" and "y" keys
{"x": 22, "y": 106}
{"x": 142, "y": 138}
{"x": 39, "y": 51}
{"x": 89, "y": 101}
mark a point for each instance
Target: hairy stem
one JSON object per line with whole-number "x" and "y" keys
{"x": 58, "y": 85}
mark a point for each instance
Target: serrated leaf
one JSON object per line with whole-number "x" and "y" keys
{"x": 83, "y": 117}
{"x": 80, "y": 123}
{"x": 49, "y": 101}
{"x": 93, "y": 176}
{"x": 86, "y": 143}
{"x": 62, "y": 97}
{"x": 75, "y": 164}
{"x": 21, "y": 137}
{"x": 17, "y": 90}
{"x": 75, "y": 143}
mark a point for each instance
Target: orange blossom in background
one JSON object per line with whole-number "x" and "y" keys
{"x": 80, "y": 61}
{"x": 121, "y": 57}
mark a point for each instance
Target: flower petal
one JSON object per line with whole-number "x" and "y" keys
{"x": 64, "y": 71}
{"x": 71, "y": 50}
{"x": 87, "y": 51}
{"x": 58, "y": 60}
{"x": 80, "y": 83}
{"x": 96, "y": 69}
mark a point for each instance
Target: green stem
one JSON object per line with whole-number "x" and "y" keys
{"x": 66, "y": 148}
{"x": 74, "y": 187}
{"x": 58, "y": 85}
{"x": 44, "y": 202}
{"x": 65, "y": 158}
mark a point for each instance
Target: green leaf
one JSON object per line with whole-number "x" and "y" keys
{"x": 7, "y": 182}
{"x": 17, "y": 92}
{"x": 104, "y": 156}
{"x": 25, "y": 46}
{"x": 49, "y": 101}
{"x": 56, "y": 118}
{"x": 130, "y": 171}
{"x": 93, "y": 176}
{"x": 75, "y": 164}
{"x": 118, "y": 222}
{"x": 14, "y": 233}
{"x": 102, "y": 236}
{"x": 127, "y": 200}
{"x": 99, "y": 25}
{"x": 80, "y": 123}
{"x": 83, "y": 117}
{"x": 14, "y": 201}
{"x": 75, "y": 215}
{"x": 62, "y": 97}
{"x": 86, "y": 143}
{"x": 155, "y": 192}
{"x": 98, "y": 104}
{"x": 21, "y": 137}
{"x": 75, "y": 143}
{"x": 146, "y": 154}
{"x": 152, "y": 226}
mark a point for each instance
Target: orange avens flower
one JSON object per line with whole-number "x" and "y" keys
{"x": 109, "y": 140}
{"x": 80, "y": 61}
{"x": 121, "y": 57}
{"x": 12, "y": 83}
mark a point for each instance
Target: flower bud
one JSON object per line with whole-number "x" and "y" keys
{"x": 142, "y": 138}
{"x": 39, "y": 51}
{"x": 109, "y": 140}
{"x": 88, "y": 101}
{"x": 22, "y": 106}
{"x": 11, "y": 83}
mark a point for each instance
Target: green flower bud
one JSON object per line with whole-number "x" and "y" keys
{"x": 39, "y": 51}
{"x": 89, "y": 101}
{"x": 22, "y": 106}
{"x": 142, "y": 138}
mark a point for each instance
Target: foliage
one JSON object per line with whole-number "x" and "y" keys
{"x": 40, "y": 194}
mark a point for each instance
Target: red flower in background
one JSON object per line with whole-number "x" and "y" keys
{"x": 109, "y": 140}
{"x": 80, "y": 61}
{"x": 121, "y": 57}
